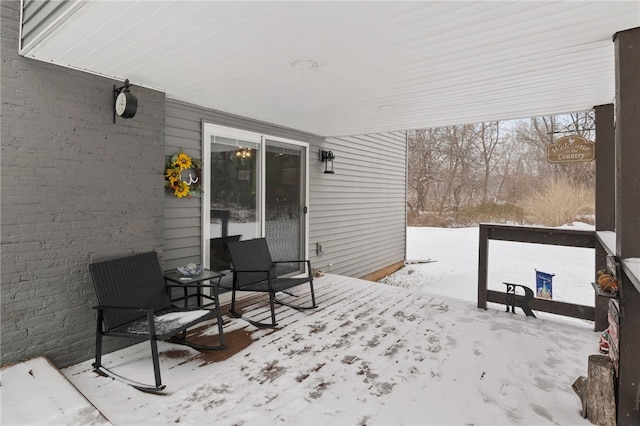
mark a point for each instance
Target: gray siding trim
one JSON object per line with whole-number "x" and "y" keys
{"x": 358, "y": 213}
{"x": 184, "y": 132}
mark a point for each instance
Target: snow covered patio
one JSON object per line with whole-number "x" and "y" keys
{"x": 370, "y": 354}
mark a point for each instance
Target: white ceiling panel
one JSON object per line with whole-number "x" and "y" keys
{"x": 426, "y": 63}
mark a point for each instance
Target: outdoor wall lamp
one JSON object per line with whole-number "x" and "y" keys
{"x": 125, "y": 104}
{"x": 327, "y": 158}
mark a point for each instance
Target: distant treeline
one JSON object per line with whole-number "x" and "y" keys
{"x": 498, "y": 172}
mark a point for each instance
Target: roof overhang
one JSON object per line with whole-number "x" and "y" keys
{"x": 381, "y": 66}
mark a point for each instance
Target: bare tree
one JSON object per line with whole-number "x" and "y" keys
{"x": 462, "y": 167}
{"x": 539, "y": 132}
{"x": 489, "y": 140}
{"x": 459, "y": 179}
{"x": 424, "y": 166}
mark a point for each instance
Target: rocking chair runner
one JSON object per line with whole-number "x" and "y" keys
{"x": 134, "y": 302}
{"x": 254, "y": 270}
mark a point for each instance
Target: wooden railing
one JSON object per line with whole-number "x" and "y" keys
{"x": 536, "y": 235}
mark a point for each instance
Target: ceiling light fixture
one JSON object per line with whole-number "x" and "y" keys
{"x": 243, "y": 153}
{"x": 304, "y": 64}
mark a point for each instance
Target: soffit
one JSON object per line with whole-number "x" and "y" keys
{"x": 382, "y": 66}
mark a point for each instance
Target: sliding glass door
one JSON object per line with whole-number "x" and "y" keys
{"x": 253, "y": 186}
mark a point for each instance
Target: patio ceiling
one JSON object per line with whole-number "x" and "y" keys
{"x": 381, "y": 66}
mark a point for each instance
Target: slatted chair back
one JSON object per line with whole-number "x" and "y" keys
{"x": 251, "y": 255}
{"x": 133, "y": 281}
{"x": 254, "y": 270}
{"x": 219, "y": 257}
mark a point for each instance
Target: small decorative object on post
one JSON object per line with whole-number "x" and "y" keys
{"x": 182, "y": 175}
{"x": 327, "y": 158}
{"x": 607, "y": 281}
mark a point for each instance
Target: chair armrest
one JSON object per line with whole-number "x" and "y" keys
{"x": 291, "y": 261}
{"x": 251, "y": 270}
{"x": 194, "y": 285}
{"x": 149, "y": 311}
{"x": 308, "y": 262}
{"x": 125, "y": 308}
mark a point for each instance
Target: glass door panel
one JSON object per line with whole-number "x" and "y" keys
{"x": 234, "y": 196}
{"x": 285, "y": 202}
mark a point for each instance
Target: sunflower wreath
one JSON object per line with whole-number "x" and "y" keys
{"x": 182, "y": 175}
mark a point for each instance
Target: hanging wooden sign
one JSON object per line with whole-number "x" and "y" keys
{"x": 571, "y": 149}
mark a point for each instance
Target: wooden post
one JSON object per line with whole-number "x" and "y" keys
{"x": 483, "y": 259}
{"x": 605, "y": 196}
{"x": 627, "y": 219}
{"x": 605, "y": 167}
{"x": 597, "y": 392}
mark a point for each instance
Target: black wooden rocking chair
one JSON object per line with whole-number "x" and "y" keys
{"x": 254, "y": 270}
{"x": 134, "y": 302}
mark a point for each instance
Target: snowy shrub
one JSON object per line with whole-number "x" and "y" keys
{"x": 559, "y": 202}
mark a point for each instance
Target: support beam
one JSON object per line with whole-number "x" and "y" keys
{"x": 605, "y": 168}
{"x": 627, "y": 223}
{"x": 627, "y": 218}
{"x": 483, "y": 262}
{"x": 605, "y": 197}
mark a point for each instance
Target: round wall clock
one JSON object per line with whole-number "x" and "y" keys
{"x": 126, "y": 104}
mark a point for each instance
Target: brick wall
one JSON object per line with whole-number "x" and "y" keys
{"x": 75, "y": 188}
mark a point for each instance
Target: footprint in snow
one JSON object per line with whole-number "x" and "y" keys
{"x": 478, "y": 348}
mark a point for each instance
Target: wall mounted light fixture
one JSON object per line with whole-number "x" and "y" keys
{"x": 327, "y": 158}
{"x": 125, "y": 104}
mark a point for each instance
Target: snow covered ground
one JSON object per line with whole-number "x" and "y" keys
{"x": 451, "y": 268}
{"x": 379, "y": 355}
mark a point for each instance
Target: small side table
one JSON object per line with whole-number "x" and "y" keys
{"x": 183, "y": 282}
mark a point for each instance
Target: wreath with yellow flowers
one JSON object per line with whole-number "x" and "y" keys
{"x": 182, "y": 175}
